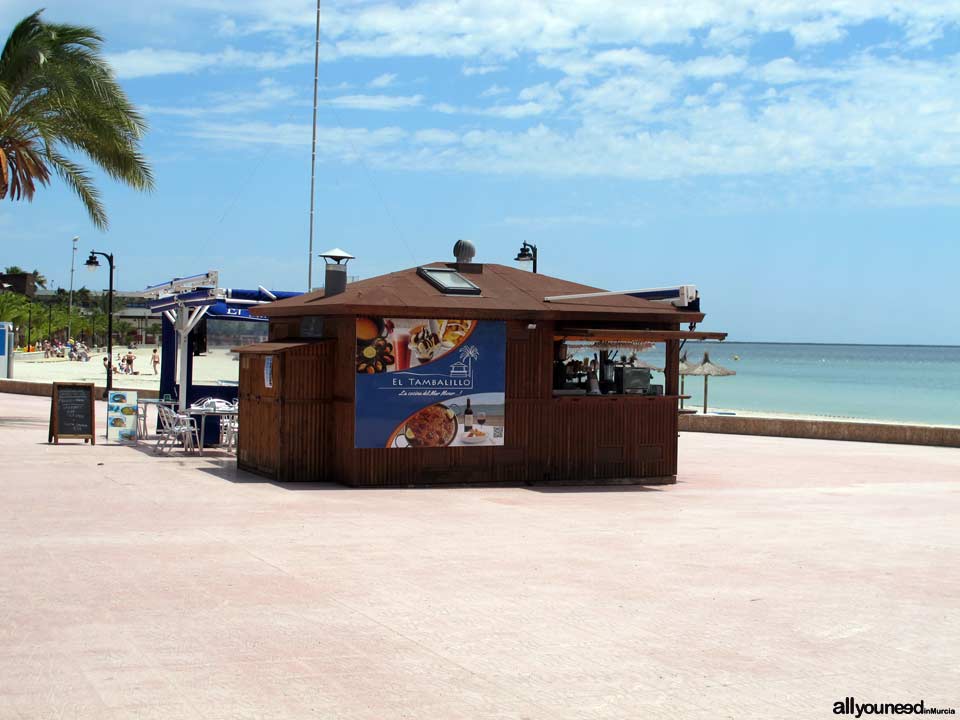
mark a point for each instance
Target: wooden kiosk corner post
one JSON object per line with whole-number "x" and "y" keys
{"x": 72, "y": 413}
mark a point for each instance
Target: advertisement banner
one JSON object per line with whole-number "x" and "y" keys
{"x": 429, "y": 383}
{"x": 122, "y": 411}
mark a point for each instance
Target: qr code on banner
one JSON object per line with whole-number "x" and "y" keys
{"x": 498, "y": 432}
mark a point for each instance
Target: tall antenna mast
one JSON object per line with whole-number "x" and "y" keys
{"x": 313, "y": 150}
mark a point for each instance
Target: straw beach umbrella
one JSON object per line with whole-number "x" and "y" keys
{"x": 708, "y": 369}
{"x": 685, "y": 369}
{"x": 643, "y": 365}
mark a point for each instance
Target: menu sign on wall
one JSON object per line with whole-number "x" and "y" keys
{"x": 429, "y": 383}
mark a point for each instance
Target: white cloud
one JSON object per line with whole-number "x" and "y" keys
{"x": 606, "y": 94}
{"x": 267, "y": 96}
{"x": 633, "y": 127}
{"x": 509, "y": 112}
{"x": 435, "y": 137}
{"x": 146, "y": 62}
{"x": 494, "y": 90}
{"x": 709, "y": 66}
{"x": 532, "y": 101}
{"x": 481, "y": 69}
{"x": 347, "y": 144}
{"x": 820, "y": 32}
{"x": 382, "y": 81}
{"x": 783, "y": 71}
{"x": 476, "y": 29}
{"x": 376, "y": 102}
{"x": 227, "y": 27}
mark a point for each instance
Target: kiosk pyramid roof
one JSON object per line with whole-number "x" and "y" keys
{"x": 505, "y": 292}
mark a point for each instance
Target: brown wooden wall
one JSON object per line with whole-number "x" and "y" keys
{"x": 304, "y": 429}
{"x": 546, "y": 438}
{"x": 610, "y": 437}
{"x": 286, "y": 430}
{"x": 258, "y": 443}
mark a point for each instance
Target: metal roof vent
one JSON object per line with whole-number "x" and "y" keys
{"x": 463, "y": 251}
{"x": 335, "y": 278}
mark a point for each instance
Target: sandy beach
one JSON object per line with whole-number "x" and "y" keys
{"x": 217, "y": 365}
{"x": 814, "y": 418}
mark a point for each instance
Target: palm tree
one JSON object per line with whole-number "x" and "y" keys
{"x": 58, "y": 97}
{"x": 39, "y": 279}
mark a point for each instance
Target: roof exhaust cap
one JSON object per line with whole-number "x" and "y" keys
{"x": 464, "y": 251}
{"x": 335, "y": 278}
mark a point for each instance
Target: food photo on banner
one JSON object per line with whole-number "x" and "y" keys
{"x": 430, "y": 383}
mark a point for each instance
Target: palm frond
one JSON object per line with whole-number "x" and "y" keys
{"x": 59, "y": 97}
{"x": 79, "y": 181}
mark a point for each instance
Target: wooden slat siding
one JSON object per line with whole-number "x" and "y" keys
{"x": 610, "y": 437}
{"x": 306, "y": 413}
{"x": 529, "y": 367}
{"x": 581, "y": 440}
{"x": 344, "y": 332}
{"x": 567, "y": 439}
{"x": 284, "y": 430}
{"x": 519, "y": 459}
{"x": 258, "y": 443}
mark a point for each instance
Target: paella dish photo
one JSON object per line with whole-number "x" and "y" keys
{"x": 432, "y": 426}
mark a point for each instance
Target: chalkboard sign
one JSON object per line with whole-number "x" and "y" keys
{"x": 72, "y": 412}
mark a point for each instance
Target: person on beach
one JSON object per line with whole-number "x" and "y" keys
{"x": 155, "y": 361}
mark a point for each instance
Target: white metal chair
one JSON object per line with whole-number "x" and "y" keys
{"x": 142, "y": 421}
{"x": 229, "y": 430}
{"x": 229, "y": 424}
{"x": 176, "y": 429}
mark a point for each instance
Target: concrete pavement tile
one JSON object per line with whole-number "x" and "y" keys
{"x": 54, "y": 702}
{"x": 131, "y": 686}
{"x": 171, "y": 711}
{"x": 775, "y": 574}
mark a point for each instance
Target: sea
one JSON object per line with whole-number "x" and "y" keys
{"x": 900, "y": 383}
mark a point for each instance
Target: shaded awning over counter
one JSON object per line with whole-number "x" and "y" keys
{"x": 613, "y": 335}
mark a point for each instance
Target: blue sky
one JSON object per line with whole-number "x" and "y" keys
{"x": 799, "y": 161}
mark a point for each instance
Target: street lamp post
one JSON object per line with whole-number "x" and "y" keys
{"x": 92, "y": 263}
{"x": 527, "y": 253}
{"x": 73, "y": 262}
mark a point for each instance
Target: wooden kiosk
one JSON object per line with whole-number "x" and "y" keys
{"x": 327, "y": 398}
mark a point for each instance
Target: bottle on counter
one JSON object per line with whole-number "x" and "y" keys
{"x": 468, "y": 417}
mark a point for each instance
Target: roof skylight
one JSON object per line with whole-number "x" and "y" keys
{"x": 448, "y": 281}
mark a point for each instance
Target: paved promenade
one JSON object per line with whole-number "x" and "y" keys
{"x": 778, "y": 577}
